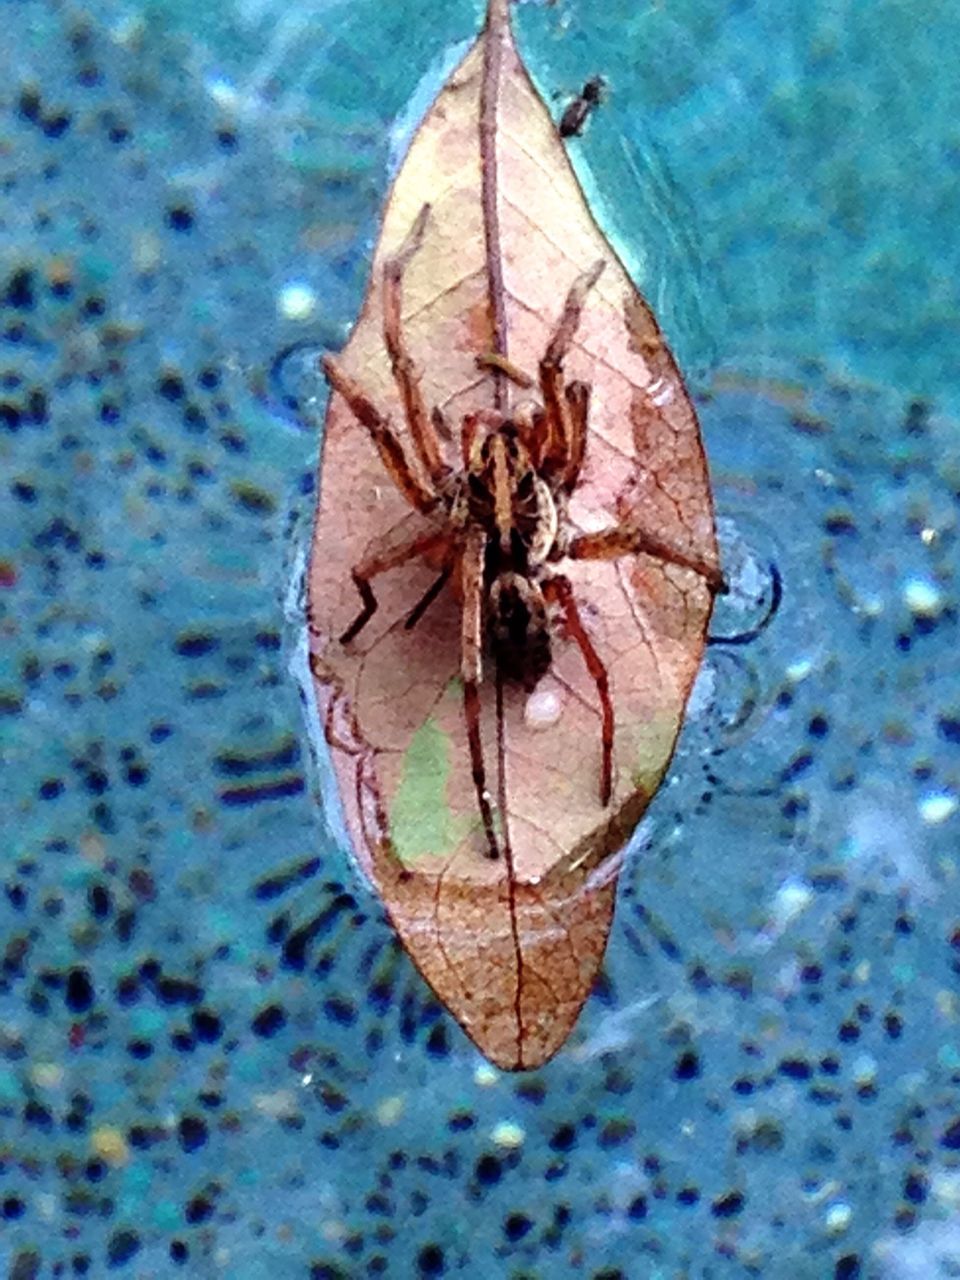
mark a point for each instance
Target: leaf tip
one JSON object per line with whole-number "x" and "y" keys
{"x": 498, "y": 14}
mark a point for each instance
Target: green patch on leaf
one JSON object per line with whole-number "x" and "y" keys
{"x": 656, "y": 745}
{"x": 420, "y": 818}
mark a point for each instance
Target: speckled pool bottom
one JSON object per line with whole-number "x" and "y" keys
{"x": 213, "y": 1058}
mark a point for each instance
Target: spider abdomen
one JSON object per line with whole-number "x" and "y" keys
{"x": 517, "y": 632}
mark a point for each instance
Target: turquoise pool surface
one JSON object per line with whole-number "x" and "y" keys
{"x": 214, "y": 1059}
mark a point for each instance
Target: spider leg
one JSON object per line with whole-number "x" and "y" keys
{"x": 428, "y": 597}
{"x": 471, "y": 570}
{"x": 422, "y": 425}
{"x": 440, "y": 423}
{"x": 561, "y": 430}
{"x": 626, "y": 539}
{"x": 470, "y": 426}
{"x": 389, "y": 447}
{"x": 468, "y": 434}
{"x": 362, "y": 574}
{"x": 494, "y": 360}
{"x": 531, "y": 424}
{"x": 560, "y": 590}
{"x": 578, "y": 404}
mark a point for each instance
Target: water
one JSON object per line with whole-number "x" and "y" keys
{"x": 213, "y": 1059}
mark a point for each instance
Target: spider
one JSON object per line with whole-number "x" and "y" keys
{"x": 498, "y": 522}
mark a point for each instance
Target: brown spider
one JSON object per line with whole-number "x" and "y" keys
{"x": 499, "y": 523}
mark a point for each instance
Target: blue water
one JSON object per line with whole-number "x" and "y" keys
{"x": 213, "y": 1059}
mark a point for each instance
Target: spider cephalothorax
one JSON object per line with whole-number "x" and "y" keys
{"x": 503, "y": 494}
{"x": 498, "y": 523}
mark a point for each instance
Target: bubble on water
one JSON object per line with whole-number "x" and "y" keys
{"x": 297, "y": 301}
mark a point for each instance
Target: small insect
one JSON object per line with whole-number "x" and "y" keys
{"x": 579, "y": 109}
{"x": 499, "y": 521}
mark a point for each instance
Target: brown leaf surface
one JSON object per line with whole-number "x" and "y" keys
{"x": 512, "y": 947}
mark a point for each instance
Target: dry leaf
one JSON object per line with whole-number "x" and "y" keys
{"x": 510, "y": 945}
